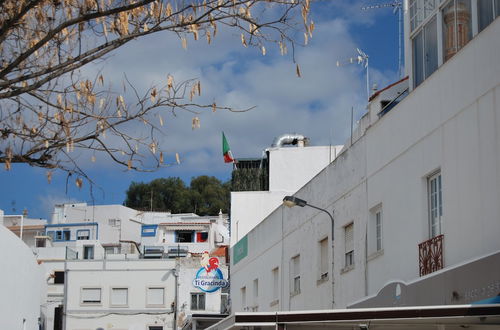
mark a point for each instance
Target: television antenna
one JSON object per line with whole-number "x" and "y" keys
{"x": 362, "y": 59}
{"x": 397, "y": 8}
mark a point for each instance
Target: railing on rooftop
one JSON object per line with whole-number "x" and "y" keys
{"x": 430, "y": 255}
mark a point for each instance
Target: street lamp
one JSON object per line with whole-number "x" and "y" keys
{"x": 292, "y": 201}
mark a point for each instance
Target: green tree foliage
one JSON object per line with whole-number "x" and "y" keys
{"x": 205, "y": 195}
{"x": 209, "y": 195}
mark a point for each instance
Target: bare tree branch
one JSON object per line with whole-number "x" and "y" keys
{"x": 51, "y": 116}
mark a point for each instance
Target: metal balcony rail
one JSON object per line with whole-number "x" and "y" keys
{"x": 430, "y": 255}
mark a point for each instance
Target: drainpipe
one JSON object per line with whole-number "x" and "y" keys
{"x": 176, "y": 301}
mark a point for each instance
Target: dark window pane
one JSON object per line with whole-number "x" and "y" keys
{"x": 59, "y": 277}
{"x": 431, "y": 46}
{"x": 418, "y": 62}
{"x": 201, "y": 301}
{"x": 194, "y": 302}
{"x": 184, "y": 236}
{"x": 485, "y": 13}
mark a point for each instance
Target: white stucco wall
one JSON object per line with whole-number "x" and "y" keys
{"x": 451, "y": 123}
{"x": 289, "y": 169}
{"x": 22, "y": 283}
{"x": 128, "y": 228}
{"x": 136, "y": 276}
{"x": 248, "y": 208}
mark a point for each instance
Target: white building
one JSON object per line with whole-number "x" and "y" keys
{"x": 103, "y": 245}
{"x": 180, "y": 235}
{"x": 22, "y": 284}
{"x": 137, "y": 294}
{"x": 31, "y": 231}
{"x": 282, "y": 171}
{"x": 415, "y": 197}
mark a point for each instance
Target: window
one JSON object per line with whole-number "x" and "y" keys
{"x": 224, "y": 303}
{"x": 323, "y": 259}
{"x": 425, "y": 48}
{"x": 487, "y": 11}
{"x": 155, "y": 297}
{"x": 40, "y": 242}
{"x": 349, "y": 245}
{"x": 119, "y": 297}
{"x": 275, "y": 273}
{"x": 295, "y": 275}
{"x": 198, "y": 301}
{"x": 114, "y": 222}
{"x": 184, "y": 236}
{"x": 457, "y": 27}
{"x": 91, "y": 296}
{"x": 60, "y": 235}
{"x": 201, "y": 237}
{"x": 243, "y": 292}
{"x": 435, "y": 204}
{"x": 88, "y": 252}
{"x": 256, "y": 292}
{"x": 83, "y": 234}
{"x": 111, "y": 249}
{"x": 59, "y": 277}
{"x": 378, "y": 230}
{"x": 420, "y": 10}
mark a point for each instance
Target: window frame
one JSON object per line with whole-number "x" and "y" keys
{"x": 323, "y": 258}
{"x": 193, "y": 236}
{"x": 436, "y": 197}
{"x": 295, "y": 275}
{"x": 378, "y": 230}
{"x": 349, "y": 251}
{"x": 80, "y": 231}
{"x": 91, "y": 248}
{"x": 256, "y": 292}
{"x": 275, "y": 274}
{"x": 198, "y": 295}
{"x": 243, "y": 292}
{"x": 57, "y": 279}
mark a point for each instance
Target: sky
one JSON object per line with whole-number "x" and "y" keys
{"x": 317, "y": 105}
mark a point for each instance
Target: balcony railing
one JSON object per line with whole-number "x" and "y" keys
{"x": 430, "y": 255}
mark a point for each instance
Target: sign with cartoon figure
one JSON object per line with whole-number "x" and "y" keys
{"x": 209, "y": 277}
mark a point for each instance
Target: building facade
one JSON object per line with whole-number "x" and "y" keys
{"x": 414, "y": 196}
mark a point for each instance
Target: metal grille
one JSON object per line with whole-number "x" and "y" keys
{"x": 430, "y": 254}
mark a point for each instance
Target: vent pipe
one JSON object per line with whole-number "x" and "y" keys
{"x": 291, "y": 139}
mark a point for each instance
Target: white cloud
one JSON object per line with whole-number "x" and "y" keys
{"x": 316, "y": 105}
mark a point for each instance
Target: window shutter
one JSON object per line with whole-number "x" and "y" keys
{"x": 119, "y": 296}
{"x": 155, "y": 296}
{"x": 91, "y": 295}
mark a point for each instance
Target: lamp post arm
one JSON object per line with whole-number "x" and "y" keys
{"x": 329, "y": 214}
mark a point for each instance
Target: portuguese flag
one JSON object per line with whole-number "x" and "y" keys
{"x": 226, "y": 151}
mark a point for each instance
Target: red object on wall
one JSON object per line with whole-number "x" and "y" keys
{"x": 201, "y": 236}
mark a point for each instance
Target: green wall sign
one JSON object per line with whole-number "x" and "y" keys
{"x": 240, "y": 250}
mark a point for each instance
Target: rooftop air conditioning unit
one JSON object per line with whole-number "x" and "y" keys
{"x": 177, "y": 251}
{"x": 153, "y": 252}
